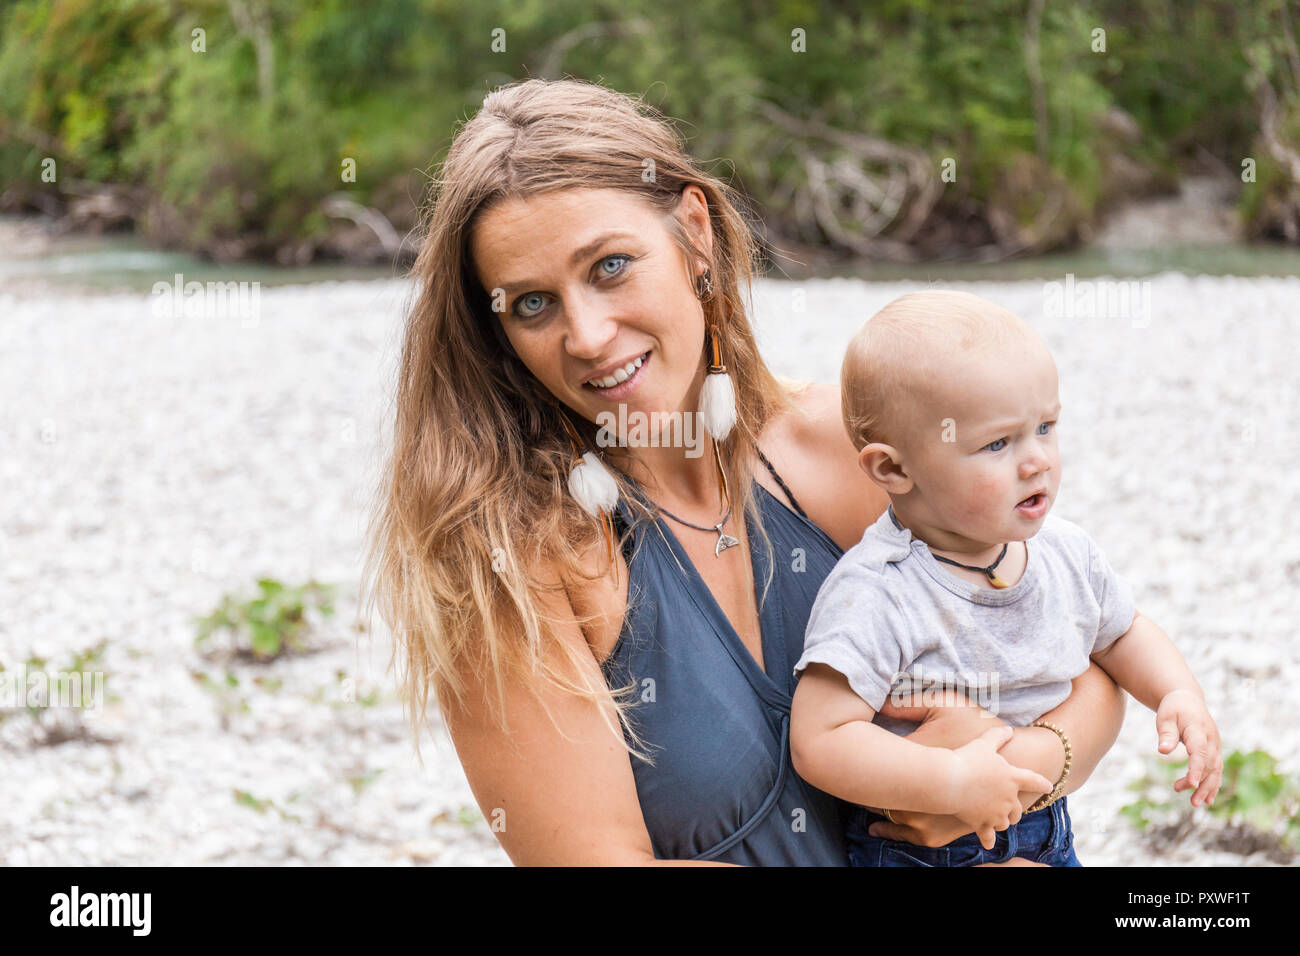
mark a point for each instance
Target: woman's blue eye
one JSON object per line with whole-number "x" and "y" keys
{"x": 1000, "y": 442}
{"x": 528, "y": 313}
{"x": 621, "y": 257}
{"x": 531, "y": 296}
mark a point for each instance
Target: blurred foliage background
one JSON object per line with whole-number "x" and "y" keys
{"x": 835, "y": 118}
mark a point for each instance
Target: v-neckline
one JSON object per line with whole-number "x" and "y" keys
{"x": 769, "y": 620}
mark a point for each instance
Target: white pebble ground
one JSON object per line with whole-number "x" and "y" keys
{"x": 152, "y": 464}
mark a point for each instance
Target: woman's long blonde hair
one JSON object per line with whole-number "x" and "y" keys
{"x": 473, "y": 520}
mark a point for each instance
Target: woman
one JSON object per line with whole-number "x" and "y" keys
{"x": 616, "y": 675}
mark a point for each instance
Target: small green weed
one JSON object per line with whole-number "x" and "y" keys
{"x": 345, "y": 693}
{"x": 262, "y": 805}
{"x": 276, "y": 622}
{"x": 226, "y": 693}
{"x": 361, "y": 781}
{"x": 1253, "y": 795}
{"x": 56, "y": 699}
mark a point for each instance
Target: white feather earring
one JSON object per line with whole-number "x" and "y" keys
{"x": 593, "y": 487}
{"x": 718, "y": 396}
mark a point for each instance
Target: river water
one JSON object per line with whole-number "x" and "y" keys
{"x": 125, "y": 263}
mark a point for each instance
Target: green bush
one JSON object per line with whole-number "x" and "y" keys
{"x": 236, "y": 147}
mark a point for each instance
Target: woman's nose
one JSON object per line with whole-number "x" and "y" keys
{"x": 590, "y": 328}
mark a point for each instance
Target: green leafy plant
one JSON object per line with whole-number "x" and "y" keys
{"x": 262, "y": 805}
{"x": 359, "y": 782}
{"x": 275, "y": 622}
{"x": 345, "y": 693}
{"x": 225, "y": 692}
{"x": 230, "y": 695}
{"x": 468, "y": 817}
{"x": 1253, "y": 794}
{"x": 56, "y": 699}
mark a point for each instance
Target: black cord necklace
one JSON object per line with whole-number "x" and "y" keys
{"x": 996, "y": 581}
{"x": 725, "y": 540}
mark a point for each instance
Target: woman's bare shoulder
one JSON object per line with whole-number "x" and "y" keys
{"x": 811, "y": 450}
{"x": 599, "y": 598}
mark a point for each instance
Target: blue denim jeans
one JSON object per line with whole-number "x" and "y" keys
{"x": 1042, "y": 836}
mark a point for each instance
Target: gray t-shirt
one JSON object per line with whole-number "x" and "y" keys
{"x": 889, "y": 617}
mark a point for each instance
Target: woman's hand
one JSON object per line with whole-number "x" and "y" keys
{"x": 951, "y": 725}
{"x": 923, "y": 829}
{"x": 1091, "y": 716}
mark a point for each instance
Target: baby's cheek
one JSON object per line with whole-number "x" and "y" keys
{"x": 983, "y": 492}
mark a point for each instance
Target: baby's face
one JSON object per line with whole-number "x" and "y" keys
{"x": 988, "y": 444}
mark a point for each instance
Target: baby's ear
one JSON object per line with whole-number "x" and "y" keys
{"x": 882, "y": 463}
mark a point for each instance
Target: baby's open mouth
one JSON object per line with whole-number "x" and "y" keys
{"x": 1033, "y": 501}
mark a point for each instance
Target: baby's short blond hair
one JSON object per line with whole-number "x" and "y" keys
{"x": 895, "y": 361}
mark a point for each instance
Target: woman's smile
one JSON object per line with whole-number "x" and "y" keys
{"x": 622, "y": 381}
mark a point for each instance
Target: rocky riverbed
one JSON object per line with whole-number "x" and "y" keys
{"x": 155, "y": 461}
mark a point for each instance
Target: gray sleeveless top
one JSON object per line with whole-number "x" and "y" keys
{"x": 717, "y": 726}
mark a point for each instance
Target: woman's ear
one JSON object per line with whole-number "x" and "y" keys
{"x": 693, "y": 210}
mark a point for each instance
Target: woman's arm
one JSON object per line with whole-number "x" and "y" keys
{"x": 1091, "y": 717}
{"x": 559, "y": 794}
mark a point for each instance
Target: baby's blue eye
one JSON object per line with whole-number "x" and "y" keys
{"x": 999, "y": 443}
{"x": 1045, "y": 425}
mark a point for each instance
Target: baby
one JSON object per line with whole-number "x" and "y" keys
{"x": 967, "y": 583}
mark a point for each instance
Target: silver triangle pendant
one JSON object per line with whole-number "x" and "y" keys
{"x": 725, "y": 540}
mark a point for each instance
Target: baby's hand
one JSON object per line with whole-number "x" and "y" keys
{"x": 1183, "y": 716}
{"x": 990, "y": 786}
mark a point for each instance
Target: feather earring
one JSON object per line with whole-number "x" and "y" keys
{"x": 592, "y": 486}
{"x": 718, "y": 396}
